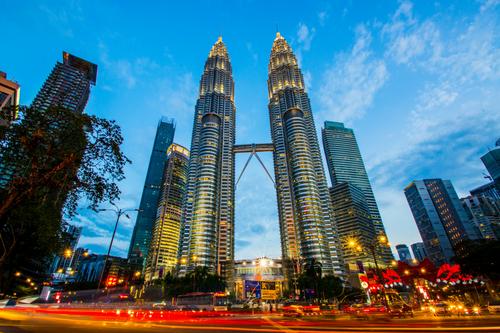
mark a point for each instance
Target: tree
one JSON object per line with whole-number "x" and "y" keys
{"x": 481, "y": 258}
{"x": 50, "y": 159}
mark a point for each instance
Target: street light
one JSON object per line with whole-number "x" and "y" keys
{"x": 119, "y": 212}
{"x": 381, "y": 240}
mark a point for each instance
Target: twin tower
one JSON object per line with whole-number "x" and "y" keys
{"x": 307, "y": 228}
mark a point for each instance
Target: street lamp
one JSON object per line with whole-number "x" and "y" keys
{"x": 381, "y": 240}
{"x": 119, "y": 212}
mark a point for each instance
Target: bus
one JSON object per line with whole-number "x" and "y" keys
{"x": 203, "y": 301}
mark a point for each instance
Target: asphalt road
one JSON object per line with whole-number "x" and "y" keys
{"x": 22, "y": 322}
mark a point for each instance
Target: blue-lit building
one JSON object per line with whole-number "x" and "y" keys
{"x": 440, "y": 218}
{"x": 418, "y": 250}
{"x": 141, "y": 237}
{"x": 403, "y": 252}
{"x": 345, "y": 164}
{"x": 491, "y": 161}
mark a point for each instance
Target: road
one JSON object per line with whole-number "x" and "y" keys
{"x": 29, "y": 321}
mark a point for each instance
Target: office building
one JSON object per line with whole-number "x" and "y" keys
{"x": 307, "y": 228}
{"x": 9, "y": 98}
{"x": 441, "y": 220}
{"x": 487, "y": 190}
{"x": 418, "y": 250}
{"x": 354, "y": 224}
{"x": 64, "y": 260}
{"x": 403, "y": 253}
{"x": 484, "y": 212}
{"x": 141, "y": 236}
{"x": 207, "y": 237}
{"x": 345, "y": 164}
{"x": 491, "y": 161}
{"x": 164, "y": 245}
{"x": 68, "y": 84}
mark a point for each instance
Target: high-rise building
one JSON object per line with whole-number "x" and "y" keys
{"x": 164, "y": 246}
{"x": 207, "y": 237}
{"x": 354, "y": 224}
{"x": 345, "y": 164}
{"x": 491, "y": 161}
{"x": 64, "y": 260}
{"x": 440, "y": 218}
{"x": 484, "y": 212}
{"x": 418, "y": 250}
{"x": 403, "y": 253}
{"x": 307, "y": 228}
{"x": 141, "y": 237}
{"x": 68, "y": 84}
{"x": 487, "y": 190}
{"x": 9, "y": 97}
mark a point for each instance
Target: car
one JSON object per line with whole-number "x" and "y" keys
{"x": 472, "y": 310}
{"x": 294, "y": 310}
{"x": 9, "y": 302}
{"x": 494, "y": 306}
{"x": 440, "y": 309}
{"x": 353, "y": 309}
{"x": 400, "y": 311}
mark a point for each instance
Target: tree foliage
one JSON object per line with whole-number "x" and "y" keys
{"x": 199, "y": 280}
{"x": 50, "y": 159}
{"x": 481, "y": 258}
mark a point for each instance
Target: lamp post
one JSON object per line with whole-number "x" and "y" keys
{"x": 382, "y": 240}
{"x": 119, "y": 212}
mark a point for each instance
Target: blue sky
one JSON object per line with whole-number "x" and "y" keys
{"x": 419, "y": 83}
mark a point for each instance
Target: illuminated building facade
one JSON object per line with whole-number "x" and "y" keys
{"x": 163, "y": 249}
{"x": 356, "y": 230}
{"x": 345, "y": 164}
{"x": 68, "y": 84}
{"x": 484, "y": 212}
{"x": 207, "y": 237}
{"x": 141, "y": 236}
{"x": 260, "y": 278}
{"x": 307, "y": 228}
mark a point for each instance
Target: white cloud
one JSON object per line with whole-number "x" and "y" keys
{"x": 455, "y": 114}
{"x": 322, "y": 17}
{"x": 305, "y": 36}
{"x": 351, "y": 81}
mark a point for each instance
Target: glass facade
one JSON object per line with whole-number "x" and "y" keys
{"x": 345, "y": 164}
{"x": 141, "y": 236}
{"x": 440, "y": 218}
{"x": 68, "y": 84}
{"x": 163, "y": 249}
{"x": 306, "y": 225}
{"x": 353, "y": 223}
{"x": 403, "y": 252}
{"x": 418, "y": 250}
{"x": 207, "y": 232}
{"x": 491, "y": 161}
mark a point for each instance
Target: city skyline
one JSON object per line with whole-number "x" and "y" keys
{"x": 305, "y": 38}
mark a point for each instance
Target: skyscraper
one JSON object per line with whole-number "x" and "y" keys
{"x": 484, "y": 212}
{"x": 418, "y": 250}
{"x": 68, "y": 84}
{"x": 353, "y": 224}
{"x": 440, "y": 218}
{"x": 207, "y": 237}
{"x": 491, "y": 161}
{"x": 345, "y": 164}
{"x": 141, "y": 236}
{"x": 9, "y": 97}
{"x": 403, "y": 252}
{"x": 163, "y": 249}
{"x": 306, "y": 225}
